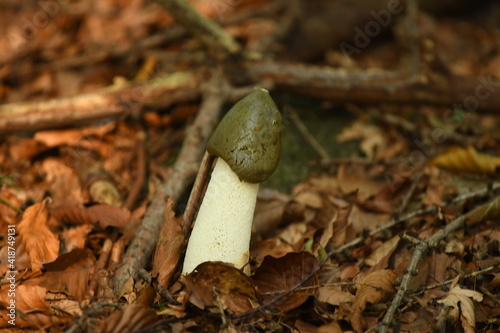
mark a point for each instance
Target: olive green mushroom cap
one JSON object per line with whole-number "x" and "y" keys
{"x": 248, "y": 138}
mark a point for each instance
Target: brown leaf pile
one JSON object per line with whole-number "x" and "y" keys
{"x": 331, "y": 246}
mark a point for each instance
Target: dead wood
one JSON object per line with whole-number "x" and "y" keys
{"x": 118, "y": 100}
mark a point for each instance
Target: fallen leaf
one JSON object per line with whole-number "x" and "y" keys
{"x": 462, "y": 299}
{"x": 380, "y": 256}
{"x": 169, "y": 246}
{"x": 72, "y": 137}
{"x": 134, "y": 318}
{"x": 371, "y": 136}
{"x": 64, "y": 184}
{"x": 41, "y": 244}
{"x": 487, "y": 211}
{"x": 467, "y": 160}
{"x": 215, "y": 283}
{"x": 334, "y": 295}
{"x": 373, "y": 289}
{"x": 32, "y": 308}
{"x": 102, "y": 214}
{"x": 69, "y": 274}
{"x": 277, "y": 279}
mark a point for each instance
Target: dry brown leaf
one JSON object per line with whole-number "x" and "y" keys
{"x": 467, "y": 160}
{"x": 75, "y": 237}
{"x": 342, "y": 226}
{"x": 332, "y": 327}
{"x": 373, "y": 289}
{"x": 277, "y": 279}
{"x": 41, "y": 244}
{"x": 102, "y": 214}
{"x": 8, "y": 215}
{"x": 380, "y": 256}
{"x": 360, "y": 219}
{"x": 24, "y": 149}
{"x": 215, "y": 283}
{"x": 372, "y": 138}
{"x": 268, "y": 212}
{"x": 33, "y": 310}
{"x": 134, "y": 318}
{"x": 355, "y": 178}
{"x": 72, "y": 137}
{"x": 64, "y": 184}
{"x": 487, "y": 211}
{"x": 168, "y": 248}
{"x": 273, "y": 247}
{"x": 68, "y": 274}
{"x": 334, "y": 295}
{"x": 463, "y": 300}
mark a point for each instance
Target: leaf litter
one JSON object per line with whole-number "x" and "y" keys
{"x": 330, "y": 256}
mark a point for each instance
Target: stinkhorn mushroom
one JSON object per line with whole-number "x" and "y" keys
{"x": 247, "y": 144}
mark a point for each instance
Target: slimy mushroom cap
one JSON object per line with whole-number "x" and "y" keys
{"x": 248, "y": 138}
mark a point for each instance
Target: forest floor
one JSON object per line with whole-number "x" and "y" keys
{"x": 383, "y": 214}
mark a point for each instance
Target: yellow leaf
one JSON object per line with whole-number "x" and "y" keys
{"x": 467, "y": 160}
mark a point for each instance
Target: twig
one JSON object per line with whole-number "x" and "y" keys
{"x": 411, "y": 271}
{"x": 442, "y": 319}
{"x": 182, "y": 174}
{"x": 371, "y": 86}
{"x": 420, "y": 250}
{"x": 466, "y": 276}
{"x": 90, "y": 311}
{"x": 100, "y": 265}
{"x": 427, "y": 210}
{"x": 196, "y": 193}
{"x": 206, "y": 30}
{"x": 407, "y": 197}
{"x": 325, "y": 157}
{"x": 162, "y": 291}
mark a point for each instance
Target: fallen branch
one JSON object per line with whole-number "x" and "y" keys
{"x": 375, "y": 86}
{"x": 360, "y": 86}
{"x": 115, "y": 101}
{"x": 206, "y": 30}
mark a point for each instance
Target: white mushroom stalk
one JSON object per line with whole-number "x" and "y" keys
{"x": 247, "y": 143}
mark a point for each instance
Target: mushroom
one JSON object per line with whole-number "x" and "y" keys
{"x": 247, "y": 145}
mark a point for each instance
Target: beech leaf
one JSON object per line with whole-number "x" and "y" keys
{"x": 277, "y": 278}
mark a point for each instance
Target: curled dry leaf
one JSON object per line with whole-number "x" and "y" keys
{"x": 467, "y": 160}
{"x": 463, "y": 300}
{"x": 168, "y": 248}
{"x": 41, "y": 244}
{"x": 373, "y": 289}
{"x": 490, "y": 210}
{"x": 215, "y": 283}
{"x": 33, "y": 310}
{"x": 69, "y": 273}
{"x": 134, "y": 318}
{"x": 102, "y": 214}
{"x": 279, "y": 280}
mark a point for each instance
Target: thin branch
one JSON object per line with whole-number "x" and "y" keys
{"x": 420, "y": 250}
{"x": 206, "y": 30}
{"x": 325, "y": 157}
{"x": 114, "y": 101}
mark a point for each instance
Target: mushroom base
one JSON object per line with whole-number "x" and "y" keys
{"x": 223, "y": 226}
